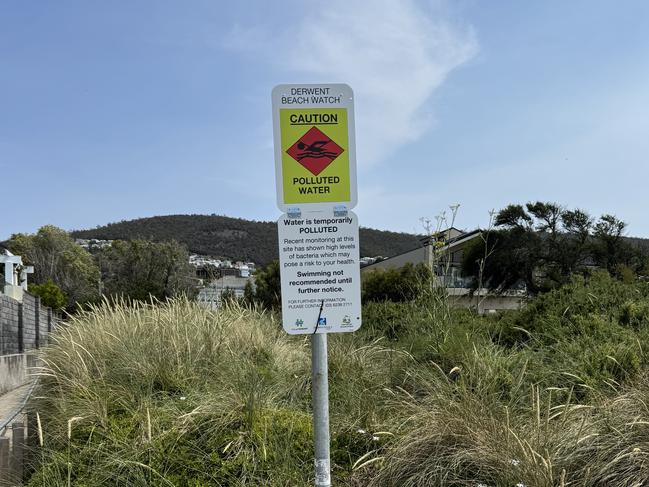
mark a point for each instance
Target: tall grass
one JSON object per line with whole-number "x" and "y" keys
{"x": 174, "y": 394}
{"x": 171, "y": 393}
{"x": 157, "y": 389}
{"x": 454, "y": 440}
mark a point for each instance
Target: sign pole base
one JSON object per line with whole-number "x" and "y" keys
{"x": 320, "y": 389}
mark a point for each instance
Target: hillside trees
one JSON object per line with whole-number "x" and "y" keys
{"x": 139, "y": 269}
{"x": 233, "y": 238}
{"x": 58, "y": 259}
{"x": 542, "y": 244}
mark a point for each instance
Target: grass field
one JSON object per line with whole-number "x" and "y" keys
{"x": 173, "y": 394}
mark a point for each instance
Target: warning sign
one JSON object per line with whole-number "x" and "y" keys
{"x": 315, "y": 151}
{"x": 315, "y": 162}
{"x": 320, "y": 273}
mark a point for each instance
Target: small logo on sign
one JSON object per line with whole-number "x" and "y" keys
{"x": 294, "y": 212}
{"x": 322, "y": 322}
{"x": 315, "y": 151}
{"x": 347, "y": 320}
{"x": 340, "y": 210}
{"x": 299, "y": 322}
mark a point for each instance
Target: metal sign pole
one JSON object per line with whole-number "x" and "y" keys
{"x": 315, "y": 171}
{"x": 320, "y": 389}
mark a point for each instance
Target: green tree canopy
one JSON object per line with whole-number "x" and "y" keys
{"x": 57, "y": 258}
{"x": 542, "y": 244}
{"x": 140, "y": 269}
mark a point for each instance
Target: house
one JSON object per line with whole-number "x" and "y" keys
{"x": 210, "y": 295}
{"x": 443, "y": 252}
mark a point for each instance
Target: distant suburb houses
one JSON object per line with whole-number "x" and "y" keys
{"x": 443, "y": 252}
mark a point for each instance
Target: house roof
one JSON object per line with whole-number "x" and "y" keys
{"x": 455, "y": 241}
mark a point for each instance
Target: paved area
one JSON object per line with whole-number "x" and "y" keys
{"x": 11, "y": 400}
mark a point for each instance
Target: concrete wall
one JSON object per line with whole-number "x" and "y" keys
{"x": 14, "y": 370}
{"x": 486, "y": 302}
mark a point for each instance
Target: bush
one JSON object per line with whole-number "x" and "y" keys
{"x": 50, "y": 294}
{"x": 635, "y": 314}
{"x": 572, "y": 311}
{"x": 267, "y": 287}
{"x": 404, "y": 284}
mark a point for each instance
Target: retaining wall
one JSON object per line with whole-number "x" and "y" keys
{"x": 14, "y": 370}
{"x": 24, "y": 326}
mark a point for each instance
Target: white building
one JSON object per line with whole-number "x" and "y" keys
{"x": 210, "y": 295}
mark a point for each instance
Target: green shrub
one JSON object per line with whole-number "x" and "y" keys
{"x": 403, "y": 284}
{"x": 50, "y": 294}
{"x": 635, "y": 314}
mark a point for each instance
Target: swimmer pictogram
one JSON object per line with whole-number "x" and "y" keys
{"x": 315, "y": 151}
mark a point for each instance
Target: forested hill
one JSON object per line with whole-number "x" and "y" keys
{"x": 233, "y": 238}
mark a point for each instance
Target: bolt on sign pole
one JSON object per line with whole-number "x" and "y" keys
{"x": 315, "y": 169}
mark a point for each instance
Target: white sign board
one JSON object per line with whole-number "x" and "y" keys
{"x": 320, "y": 273}
{"x": 315, "y": 148}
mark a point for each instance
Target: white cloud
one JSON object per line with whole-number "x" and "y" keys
{"x": 394, "y": 54}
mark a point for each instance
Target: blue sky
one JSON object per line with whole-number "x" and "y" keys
{"x": 118, "y": 110}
